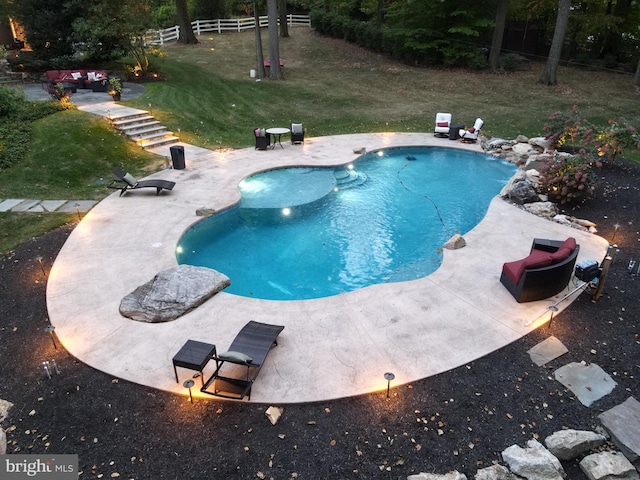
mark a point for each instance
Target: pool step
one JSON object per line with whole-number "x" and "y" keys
{"x": 348, "y": 178}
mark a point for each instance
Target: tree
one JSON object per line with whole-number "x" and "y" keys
{"x": 548, "y": 76}
{"x": 186, "y": 32}
{"x": 108, "y": 30}
{"x": 48, "y": 26}
{"x": 274, "y": 46}
{"x": 498, "y": 32}
{"x": 259, "y": 56}
{"x": 282, "y": 15}
{"x": 636, "y": 77}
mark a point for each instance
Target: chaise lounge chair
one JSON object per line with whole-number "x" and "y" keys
{"x": 125, "y": 181}
{"x": 249, "y": 349}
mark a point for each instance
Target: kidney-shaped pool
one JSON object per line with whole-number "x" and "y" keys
{"x": 303, "y": 233}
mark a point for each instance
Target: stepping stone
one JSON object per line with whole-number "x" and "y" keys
{"x": 623, "y": 424}
{"x": 25, "y": 205}
{"x": 588, "y": 382}
{"x": 82, "y": 206}
{"x": 37, "y": 208}
{"x": 52, "y": 205}
{"x": 547, "y": 350}
{"x": 7, "y": 205}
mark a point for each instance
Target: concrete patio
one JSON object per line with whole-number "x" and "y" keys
{"x": 332, "y": 347}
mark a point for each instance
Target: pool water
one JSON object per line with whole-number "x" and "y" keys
{"x": 304, "y": 233}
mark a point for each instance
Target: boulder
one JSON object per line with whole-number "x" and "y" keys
{"x": 541, "y": 142}
{"x": 522, "y": 139}
{"x": 622, "y": 422}
{"x": 5, "y": 406}
{"x": 523, "y": 192}
{"x": 274, "y": 414}
{"x": 3, "y": 442}
{"x": 608, "y": 466}
{"x": 455, "y": 475}
{"x": 569, "y": 444}
{"x": 172, "y": 293}
{"x": 525, "y": 149}
{"x": 533, "y": 176}
{"x": 534, "y": 462}
{"x": 205, "y": 211}
{"x": 519, "y": 176}
{"x": 496, "y": 143}
{"x": 542, "y": 209}
{"x": 455, "y": 242}
{"x": 494, "y": 472}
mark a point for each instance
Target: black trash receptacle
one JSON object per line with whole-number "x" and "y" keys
{"x": 454, "y": 132}
{"x": 177, "y": 157}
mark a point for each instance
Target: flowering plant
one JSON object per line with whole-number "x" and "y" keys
{"x": 568, "y": 179}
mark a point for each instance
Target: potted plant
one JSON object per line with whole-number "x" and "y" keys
{"x": 114, "y": 88}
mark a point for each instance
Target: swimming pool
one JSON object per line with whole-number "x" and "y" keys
{"x": 306, "y": 233}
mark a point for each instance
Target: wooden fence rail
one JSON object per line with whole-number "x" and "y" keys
{"x": 160, "y": 37}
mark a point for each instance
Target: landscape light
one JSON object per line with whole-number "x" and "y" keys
{"x": 388, "y": 377}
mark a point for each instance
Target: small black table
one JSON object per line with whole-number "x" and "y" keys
{"x": 194, "y": 356}
{"x": 454, "y": 131}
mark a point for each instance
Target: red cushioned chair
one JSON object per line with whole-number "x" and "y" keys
{"x": 544, "y": 273}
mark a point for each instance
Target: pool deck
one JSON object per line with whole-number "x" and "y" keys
{"x": 332, "y": 347}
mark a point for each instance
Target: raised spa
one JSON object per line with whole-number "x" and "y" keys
{"x": 303, "y": 233}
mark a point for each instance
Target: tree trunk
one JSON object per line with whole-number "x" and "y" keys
{"x": 259, "y": 56}
{"x": 498, "y": 32}
{"x": 282, "y": 14}
{"x": 274, "y": 46}
{"x": 380, "y": 12}
{"x": 186, "y": 32}
{"x": 548, "y": 76}
{"x": 636, "y": 77}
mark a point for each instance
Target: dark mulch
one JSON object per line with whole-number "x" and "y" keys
{"x": 460, "y": 420}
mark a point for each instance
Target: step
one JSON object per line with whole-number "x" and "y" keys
{"x": 130, "y": 119}
{"x": 152, "y": 136}
{"x": 159, "y": 142}
{"x": 142, "y": 134}
{"x": 130, "y": 129}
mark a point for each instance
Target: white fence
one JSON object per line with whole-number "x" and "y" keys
{"x": 159, "y": 37}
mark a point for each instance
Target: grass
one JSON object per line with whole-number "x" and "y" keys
{"x": 331, "y": 86}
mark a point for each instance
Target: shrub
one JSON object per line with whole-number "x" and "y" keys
{"x": 568, "y": 180}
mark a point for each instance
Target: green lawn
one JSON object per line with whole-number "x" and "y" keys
{"x": 332, "y": 87}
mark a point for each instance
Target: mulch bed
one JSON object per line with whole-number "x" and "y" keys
{"x": 460, "y": 420}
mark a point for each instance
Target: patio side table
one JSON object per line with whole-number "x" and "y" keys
{"x": 194, "y": 356}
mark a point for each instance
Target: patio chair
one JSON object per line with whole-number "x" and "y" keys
{"x": 249, "y": 349}
{"x": 545, "y": 272}
{"x": 443, "y": 122}
{"x": 125, "y": 181}
{"x": 263, "y": 139}
{"x": 471, "y": 135}
{"x": 297, "y": 133}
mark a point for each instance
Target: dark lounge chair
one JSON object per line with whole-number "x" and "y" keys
{"x": 248, "y": 350}
{"x": 125, "y": 181}
{"x": 544, "y": 273}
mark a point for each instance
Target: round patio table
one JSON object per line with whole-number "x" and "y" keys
{"x": 277, "y": 133}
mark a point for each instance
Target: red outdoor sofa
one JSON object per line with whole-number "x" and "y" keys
{"x": 544, "y": 273}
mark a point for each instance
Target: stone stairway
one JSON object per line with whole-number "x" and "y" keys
{"x": 7, "y": 77}
{"x": 143, "y": 129}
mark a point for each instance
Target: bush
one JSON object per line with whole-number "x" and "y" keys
{"x": 568, "y": 180}
{"x": 16, "y": 116}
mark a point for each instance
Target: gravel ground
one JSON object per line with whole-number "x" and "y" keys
{"x": 460, "y": 420}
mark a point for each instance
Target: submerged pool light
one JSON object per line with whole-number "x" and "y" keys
{"x": 286, "y": 211}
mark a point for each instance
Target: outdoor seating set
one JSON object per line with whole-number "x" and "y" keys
{"x": 248, "y": 350}
{"x": 444, "y": 128}
{"x": 96, "y": 80}
{"x": 270, "y": 137}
